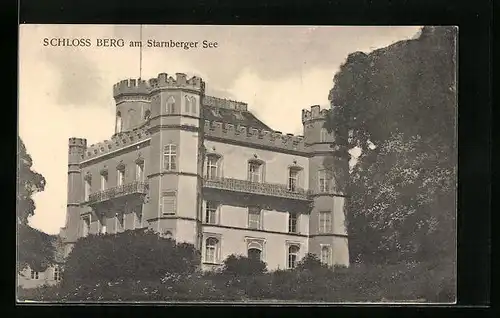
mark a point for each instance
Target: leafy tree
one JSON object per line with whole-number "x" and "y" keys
{"x": 29, "y": 182}
{"x": 398, "y": 105}
{"x": 131, "y": 255}
{"x": 35, "y": 249}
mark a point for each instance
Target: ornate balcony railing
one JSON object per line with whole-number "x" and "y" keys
{"x": 269, "y": 189}
{"x": 119, "y": 191}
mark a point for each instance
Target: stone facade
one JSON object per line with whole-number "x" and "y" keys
{"x": 206, "y": 171}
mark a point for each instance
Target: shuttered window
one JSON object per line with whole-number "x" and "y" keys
{"x": 168, "y": 204}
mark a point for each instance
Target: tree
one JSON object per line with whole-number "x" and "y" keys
{"x": 29, "y": 182}
{"x": 35, "y": 248}
{"x": 398, "y": 105}
{"x": 131, "y": 255}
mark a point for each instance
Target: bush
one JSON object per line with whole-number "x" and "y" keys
{"x": 237, "y": 265}
{"x": 135, "y": 255}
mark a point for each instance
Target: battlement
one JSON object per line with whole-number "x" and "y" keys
{"x": 143, "y": 87}
{"x": 255, "y": 136}
{"x": 77, "y": 142}
{"x": 224, "y": 103}
{"x": 117, "y": 142}
{"x": 315, "y": 113}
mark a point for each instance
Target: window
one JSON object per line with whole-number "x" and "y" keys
{"x": 325, "y": 221}
{"x": 104, "y": 181}
{"x": 323, "y": 181}
{"x": 211, "y": 250}
{"x": 254, "y": 253}
{"x": 254, "y": 171}
{"x": 171, "y": 105}
{"x": 293, "y": 252}
{"x": 88, "y": 186}
{"x": 212, "y": 166}
{"x": 169, "y": 157}
{"x": 292, "y": 223}
{"x": 57, "y": 274}
{"x": 86, "y": 226}
{"x": 194, "y": 109}
{"x": 120, "y": 177}
{"x": 147, "y": 115}
{"x": 254, "y": 217}
{"x": 323, "y": 135}
{"x": 187, "y": 104}
{"x": 119, "y": 124}
{"x": 168, "y": 204}
{"x": 139, "y": 171}
{"x": 325, "y": 254}
{"x": 103, "y": 229}
{"x": 293, "y": 178}
{"x": 139, "y": 217}
{"x": 211, "y": 213}
{"x": 34, "y": 274}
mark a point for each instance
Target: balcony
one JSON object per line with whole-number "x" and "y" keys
{"x": 268, "y": 189}
{"x": 134, "y": 188}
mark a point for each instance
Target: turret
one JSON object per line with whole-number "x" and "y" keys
{"x": 76, "y": 150}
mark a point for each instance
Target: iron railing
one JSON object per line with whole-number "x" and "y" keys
{"x": 262, "y": 188}
{"x": 135, "y": 187}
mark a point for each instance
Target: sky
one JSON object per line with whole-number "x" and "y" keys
{"x": 67, "y": 91}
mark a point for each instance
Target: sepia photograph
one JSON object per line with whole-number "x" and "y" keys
{"x": 237, "y": 164}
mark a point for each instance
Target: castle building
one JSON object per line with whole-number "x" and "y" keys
{"x": 206, "y": 171}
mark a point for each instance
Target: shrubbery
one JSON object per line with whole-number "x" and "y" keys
{"x": 136, "y": 266}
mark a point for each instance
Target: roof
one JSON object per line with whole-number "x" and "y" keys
{"x": 232, "y": 116}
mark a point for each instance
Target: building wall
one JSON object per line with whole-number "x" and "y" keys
{"x": 235, "y": 159}
{"x": 46, "y": 277}
{"x": 232, "y": 241}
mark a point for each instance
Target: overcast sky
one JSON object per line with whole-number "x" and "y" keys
{"x": 67, "y": 91}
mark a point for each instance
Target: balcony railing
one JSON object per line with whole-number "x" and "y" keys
{"x": 269, "y": 189}
{"x": 119, "y": 191}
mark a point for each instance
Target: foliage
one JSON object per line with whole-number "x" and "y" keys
{"x": 398, "y": 105}
{"x": 238, "y": 265}
{"x": 137, "y": 255}
{"x": 35, "y": 249}
{"x": 29, "y": 182}
{"x": 430, "y": 282}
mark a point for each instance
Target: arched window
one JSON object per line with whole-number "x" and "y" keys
{"x": 194, "y": 109}
{"x": 131, "y": 117}
{"x": 187, "y": 104}
{"x": 323, "y": 135}
{"x": 293, "y": 253}
{"x": 211, "y": 250}
{"x": 171, "y": 105}
{"x": 119, "y": 124}
{"x": 254, "y": 250}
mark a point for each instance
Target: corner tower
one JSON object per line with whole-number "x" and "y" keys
{"x": 175, "y": 167}
{"x": 132, "y": 104}
{"x": 328, "y": 170}
{"x": 76, "y": 149}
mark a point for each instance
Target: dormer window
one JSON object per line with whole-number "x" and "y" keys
{"x": 216, "y": 112}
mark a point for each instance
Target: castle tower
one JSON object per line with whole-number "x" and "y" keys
{"x": 132, "y": 104}
{"x": 328, "y": 170}
{"x": 176, "y": 163}
{"x": 76, "y": 149}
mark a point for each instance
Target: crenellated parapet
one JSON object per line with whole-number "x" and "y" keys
{"x": 117, "y": 142}
{"x": 250, "y": 135}
{"x": 224, "y": 103}
{"x": 316, "y": 113}
{"x": 140, "y": 87}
